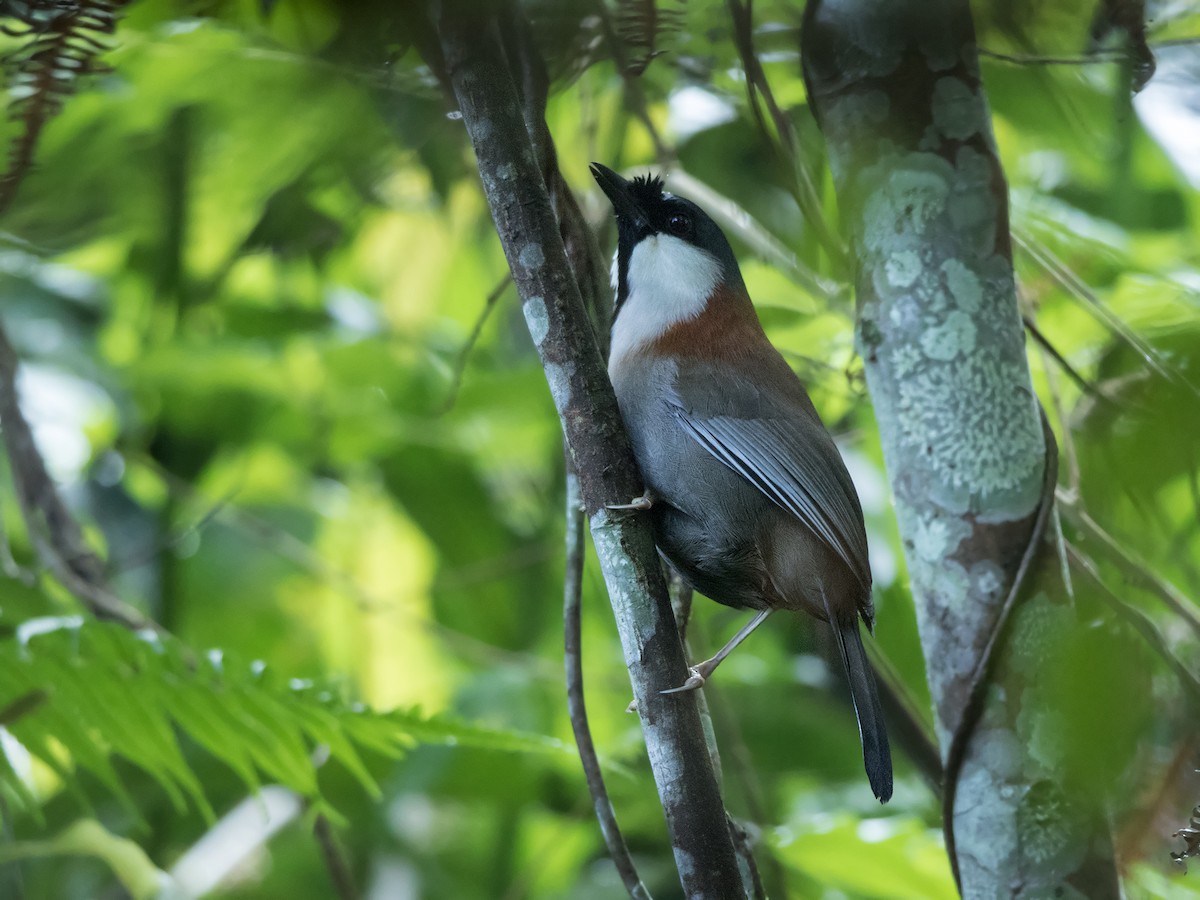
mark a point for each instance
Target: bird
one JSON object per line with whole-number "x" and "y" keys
{"x": 747, "y": 494}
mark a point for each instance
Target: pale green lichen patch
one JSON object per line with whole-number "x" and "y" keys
{"x": 962, "y": 407}
{"x": 941, "y": 47}
{"x": 1000, "y": 752}
{"x": 973, "y": 424}
{"x": 860, "y": 110}
{"x": 856, "y": 117}
{"x": 972, "y": 204}
{"x": 621, "y": 580}
{"x": 558, "y": 377}
{"x": 903, "y": 268}
{"x": 873, "y": 45}
{"x": 905, "y": 360}
{"x": 906, "y": 197}
{"x": 988, "y": 582}
{"x": 937, "y": 535}
{"x": 537, "y": 319}
{"x": 953, "y": 337}
{"x": 531, "y": 255}
{"x": 984, "y": 820}
{"x": 957, "y": 110}
{"x": 963, "y": 284}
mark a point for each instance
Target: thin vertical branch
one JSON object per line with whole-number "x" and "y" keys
{"x": 576, "y": 705}
{"x": 335, "y": 860}
{"x": 16, "y": 875}
{"x": 56, "y": 537}
{"x": 804, "y": 188}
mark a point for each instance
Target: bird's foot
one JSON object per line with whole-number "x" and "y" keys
{"x": 696, "y": 679}
{"x": 644, "y": 502}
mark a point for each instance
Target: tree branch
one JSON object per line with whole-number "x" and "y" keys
{"x": 804, "y": 189}
{"x": 1141, "y": 623}
{"x": 1129, "y": 565}
{"x": 520, "y": 206}
{"x": 53, "y": 532}
{"x": 576, "y": 705}
{"x": 335, "y": 859}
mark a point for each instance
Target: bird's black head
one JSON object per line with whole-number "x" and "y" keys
{"x": 645, "y": 210}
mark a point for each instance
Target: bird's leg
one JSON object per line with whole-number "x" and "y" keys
{"x": 701, "y": 672}
{"x": 641, "y": 503}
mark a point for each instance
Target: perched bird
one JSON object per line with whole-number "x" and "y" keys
{"x": 749, "y": 498}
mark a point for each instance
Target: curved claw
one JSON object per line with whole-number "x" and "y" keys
{"x": 695, "y": 680}
{"x": 641, "y": 503}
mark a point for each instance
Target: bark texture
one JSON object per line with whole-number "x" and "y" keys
{"x": 520, "y": 206}
{"x": 896, "y": 89}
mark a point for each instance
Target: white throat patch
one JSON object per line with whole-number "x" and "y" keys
{"x": 669, "y": 281}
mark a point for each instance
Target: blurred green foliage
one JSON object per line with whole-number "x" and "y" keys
{"x": 244, "y": 277}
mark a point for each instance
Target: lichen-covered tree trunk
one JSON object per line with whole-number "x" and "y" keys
{"x": 895, "y": 85}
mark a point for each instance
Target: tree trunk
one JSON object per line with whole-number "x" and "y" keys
{"x": 895, "y": 86}
{"x": 520, "y": 205}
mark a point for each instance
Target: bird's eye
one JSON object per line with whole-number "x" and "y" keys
{"x": 679, "y": 224}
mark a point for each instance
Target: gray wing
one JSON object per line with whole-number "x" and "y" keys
{"x": 785, "y": 452}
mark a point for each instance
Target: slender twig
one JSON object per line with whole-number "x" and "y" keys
{"x": 1076, "y": 287}
{"x": 56, "y": 537}
{"x": 681, "y": 602}
{"x": 744, "y": 845}
{"x": 335, "y": 861}
{"x": 16, "y": 877}
{"x": 804, "y": 189}
{"x": 174, "y": 537}
{"x": 682, "y": 597}
{"x": 746, "y": 773}
{"x": 579, "y": 241}
{"x": 1050, "y": 353}
{"x": 464, "y": 354}
{"x": 8, "y": 563}
{"x": 22, "y": 706}
{"x": 288, "y": 547}
{"x": 576, "y": 705}
{"x": 1140, "y": 622}
{"x": 1053, "y": 353}
{"x": 1134, "y": 569}
{"x": 1074, "y": 478}
{"x": 1099, "y": 57}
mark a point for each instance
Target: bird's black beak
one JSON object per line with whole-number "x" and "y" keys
{"x": 617, "y": 190}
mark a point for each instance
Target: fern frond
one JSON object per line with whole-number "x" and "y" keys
{"x": 64, "y": 45}
{"x": 111, "y": 693}
{"x": 640, "y": 26}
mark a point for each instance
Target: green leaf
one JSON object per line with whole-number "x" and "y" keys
{"x": 113, "y": 693}
{"x": 894, "y": 858}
